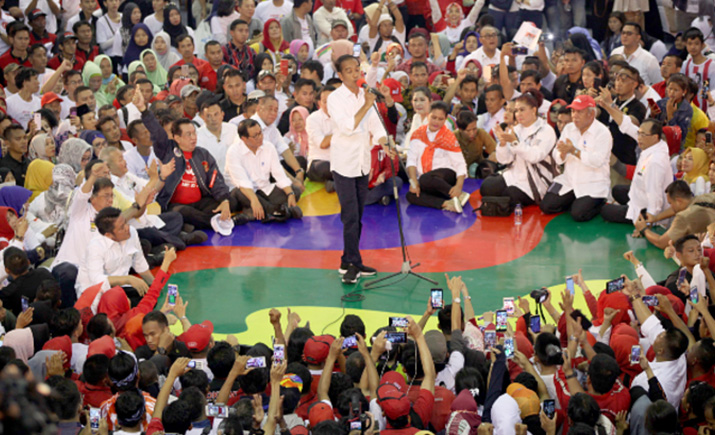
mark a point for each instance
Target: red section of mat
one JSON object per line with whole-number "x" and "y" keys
{"x": 489, "y": 242}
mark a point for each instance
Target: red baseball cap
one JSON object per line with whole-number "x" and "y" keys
{"x": 393, "y": 402}
{"x": 104, "y": 345}
{"x": 582, "y": 102}
{"x": 395, "y": 89}
{"x": 299, "y": 430}
{"x": 320, "y": 412}
{"x": 317, "y": 348}
{"x": 50, "y": 97}
{"x": 395, "y": 379}
{"x": 198, "y": 337}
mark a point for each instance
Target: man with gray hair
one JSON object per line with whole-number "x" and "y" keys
{"x": 584, "y": 149}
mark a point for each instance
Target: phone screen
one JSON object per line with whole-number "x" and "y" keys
{"x": 597, "y": 83}
{"x": 94, "y": 416}
{"x": 73, "y": 111}
{"x": 284, "y": 67}
{"x": 694, "y": 296}
{"x": 398, "y": 322}
{"x": 635, "y": 354}
{"x": 569, "y": 285}
{"x": 396, "y": 337}
{"x": 37, "y": 118}
{"x": 490, "y": 339}
{"x": 650, "y": 301}
{"x": 615, "y": 285}
{"x": 501, "y": 320}
{"x": 256, "y": 363}
{"x": 437, "y": 301}
{"x": 682, "y": 275}
{"x": 535, "y": 323}
{"x": 509, "y": 305}
{"x": 25, "y": 303}
{"x": 550, "y": 408}
{"x": 172, "y": 291}
{"x": 350, "y": 342}
{"x": 278, "y": 353}
{"x": 509, "y": 347}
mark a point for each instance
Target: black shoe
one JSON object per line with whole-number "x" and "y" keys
{"x": 364, "y": 270}
{"x": 385, "y": 200}
{"x": 296, "y": 212}
{"x": 194, "y": 238}
{"x": 330, "y": 186}
{"x": 280, "y": 215}
{"x": 188, "y": 228}
{"x": 351, "y": 275}
{"x": 242, "y": 218}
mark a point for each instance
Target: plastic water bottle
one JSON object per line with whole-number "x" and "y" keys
{"x": 518, "y": 215}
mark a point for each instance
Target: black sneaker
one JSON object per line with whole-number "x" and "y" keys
{"x": 242, "y": 219}
{"x": 351, "y": 275}
{"x": 385, "y": 200}
{"x": 364, "y": 270}
{"x": 194, "y": 238}
{"x": 296, "y": 212}
{"x": 330, "y": 186}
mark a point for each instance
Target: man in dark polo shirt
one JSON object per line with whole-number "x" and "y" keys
{"x": 19, "y": 36}
{"x": 234, "y": 87}
{"x": 624, "y": 146}
{"x": 15, "y": 159}
{"x": 565, "y": 86}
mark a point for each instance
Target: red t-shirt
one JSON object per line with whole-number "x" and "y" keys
{"x": 94, "y": 395}
{"x": 50, "y": 38}
{"x": 423, "y": 403}
{"x": 55, "y": 63}
{"x": 187, "y": 192}
{"x": 207, "y": 77}
{"x": 350, "y": 6}
{"x": 615, "y": 401}
{"x": 198, "y": 63}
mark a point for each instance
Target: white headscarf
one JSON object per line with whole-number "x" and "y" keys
{"x": 169, "y": 57}
{"x": 505, "y": 415}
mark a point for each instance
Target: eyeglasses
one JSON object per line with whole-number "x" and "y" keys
{"x": 628, "y": 33}
{"x": 490, "y": 35}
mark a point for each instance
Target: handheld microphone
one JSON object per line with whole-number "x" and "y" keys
{"x": 372, "y": 91}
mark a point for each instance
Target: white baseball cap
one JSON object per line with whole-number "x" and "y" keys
{"x": 225, "y": 228}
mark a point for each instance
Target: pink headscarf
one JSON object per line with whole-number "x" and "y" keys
{"x": 295, "y": 46}
{"x": 340, "y": 48}
{"x": 300, "y": 138}
{"x": 22, "y": 343}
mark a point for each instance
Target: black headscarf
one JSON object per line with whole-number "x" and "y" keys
{"x": 581, "y": 42}
{"x": 40, "y": 335}
{"x": 173, "y": 31}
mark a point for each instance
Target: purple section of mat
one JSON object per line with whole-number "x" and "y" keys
{"x": 380, "y": 230}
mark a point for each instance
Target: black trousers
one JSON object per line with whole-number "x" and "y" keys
{"x": 302, "y": 161}
{"x": 66, "y": 275}
{"x": 199, "y": 214}
{"x": 169, "y": 233}
{"x": 494, "y": 185}
{"x": 270, "y": 203}
{"x": 352, "y": 194}
{"x": 582, "y": 209}
{"x": 617, "y": 212}
{"x": 320, "y": 171}
{"x": 434, "y": 188}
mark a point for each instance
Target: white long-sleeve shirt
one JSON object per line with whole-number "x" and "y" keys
{"x": 80, "y": 229}
{"x": 534, "y": 145}
{"x": 646, "y": 64}
{"x": 653, "y": 174}
{"x": 253, "y": 170}
{"x": 350, "y": 146}
{"x": 318, "y": 125}
{"x": 323, "y": 22}
{"x": 219, "y": 147}
{"x": 453, "y": 160}
{"x": 589, "y": 175}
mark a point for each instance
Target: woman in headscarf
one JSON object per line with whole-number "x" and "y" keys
{"x": 110, "y": 81}
{"x": 300, "y": 50}
{"x": 153, "y": 69}
{"x": 172, "y": 24}
{"x": 453, "y": 24}
{"x": 76, "y": 153}
{"x": 49, "y": 207}
{"x": 162, "y": 49}
{"x": 139, "y": 41}
{"x": 465, "y": 418}
{"x": 273, "y": 41}
{"x": 695, "y": 165}
{"x": 39, "y": 177}
{"x": 581, "y": 39}
{"x": 92, "y": 76}
{"x": 20, "y": 340}
{"x": 297, "y": 135}
{"x": 223, "y": 13}
{"x": 15, "y": 197}
{"x": 42, "y": 147}
{"x": 131, "y": 15}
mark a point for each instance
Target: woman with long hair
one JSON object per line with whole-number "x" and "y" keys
{"x": 613, "y": 34}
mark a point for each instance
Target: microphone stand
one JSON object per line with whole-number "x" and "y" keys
{"x": 406, "y": 268}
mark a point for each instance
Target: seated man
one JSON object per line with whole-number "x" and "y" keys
{"x": 478, "y": 147}
{"x": 435, "y": 157}
{"x": 23, "y": 280}
{"x": 653, "y": 174}
{"x": 319, "y": 130}
{"x": 251, "y": 164}
{"x": 196, "y": 189}
{"x": 112, "y": 254}
{"x": 95, "y": 194}
{"x": 140, "y": 157}
{"x": 584, "y": 149}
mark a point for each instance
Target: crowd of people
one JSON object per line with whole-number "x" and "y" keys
{"x": 129, "y": 129}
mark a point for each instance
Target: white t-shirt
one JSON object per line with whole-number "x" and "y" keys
{"x": 21, "y": 110}
{"x": 51, "y": 21}
{"x": 5, "y": 19}
{"x": 267, "y": 10}
{"x": 154, "y": 25}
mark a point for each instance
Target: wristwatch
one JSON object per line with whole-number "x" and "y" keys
{"x": 136, "y": 206}
{"x": 161, "y": 351}
{"x": 457, "y": 300}
{"x": 571, "y": 376}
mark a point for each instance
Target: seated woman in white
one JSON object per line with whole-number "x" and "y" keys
{"x": 435, "y": 164}
{"x": 526, "y": 150}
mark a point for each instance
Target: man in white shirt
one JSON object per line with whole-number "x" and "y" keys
{"x": 355, "y": 121}
{"x": 23, "y": 105}
{"x": 488, "y": 55}
{"x": 216, "y": 136}
{"x": 646, "y": 64}
{"x": 435, "y": 164}
{"x": 494, "y": 100}
{"x": 111, "y": 254}
{"x": 320, "y": 132}
{"x": 326, "y": 16}
{"x": 141, "y": 156}
{"x": 273, "y": 9}
{"x": 652, "y": 176}
{"x": 584, "y": 149}
{"x": 95, "y": 194}
{"x": 250, "y": 164}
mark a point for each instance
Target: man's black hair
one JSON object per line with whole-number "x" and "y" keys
{"x": 7, "y": 354}
{"x": 661, "y": 417}
{"x": 298, "y": 338}
{"x": 220, "y": 359}
{"x": 49, "y": 290}
{"x": 341, "y": 61}
{"x": 78, "y": 24}
{"x": 698, "y": 393}
{"x": 196, "y": 399}
{"x": 121, "y": 366}
{"x": 346, "y": 397}
{"x": 15, "y": 260}
{"x": 339, "y": 382}
{"x": 301, "y": 83}
{"x": 530, "y": 73}
{"x": 94, "y": 370}
{"x": 603, "y": 372}
{"x": 680, "y": 243}
{"x": 128, "y": 405}
{"x": 679, "y": 189}
{"x": 328, "y": 427}
{"x": 584, "y": 409}
{"x": 303, "y": 373}
{"x": 469, "y": 79}
{"x": 444, "y": 318}
{"x": 354, "y": 366}
{"x": 469, "y": 378}
{"x": 574, "y": 50}
{"x": 34, "y": 47}
{"x": 122, "y": 92}
{"x": 464, "y": 118}
{"x": 314, "y": 66}
{"x": 494, "y": 88}
{"x": 527, "y": 380}
{"x": 255, "y": 381}
{"x": 704, "y": 352}
{"x": 195, "y": 378}
{"x": 656, "y": 126}
{"x": 65, "y": 398}
{"x": 64, "y": 322}
{"x": 79, "y": 89}
{"x": 98, "y": 326}
{"x": 352, "y": 325}
{"x": 235, "y": 23}
{"x": 24, "y": 75}
{"x": 418, "y": 64}
{"x": 105, "y": 220}
{"x": 676, "y": 343}
{"x": 156, "y": 316}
